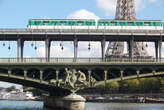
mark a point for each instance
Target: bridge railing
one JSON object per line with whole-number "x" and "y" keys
{"x": 80, "y": 60}
{"x": 26, "y": 30}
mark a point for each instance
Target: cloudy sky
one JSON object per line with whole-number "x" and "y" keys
{"x": 16, "y": 13}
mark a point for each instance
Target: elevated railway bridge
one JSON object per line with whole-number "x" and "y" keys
{"x": 62, "y": 76}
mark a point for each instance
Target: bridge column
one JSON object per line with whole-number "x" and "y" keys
{"x": 160, "y": 48}
{"x": 156, "y": 50}
{"x": 89, "y": 77}
{"x": 122, "y": 74}
{"x": 138, "y": 73}
{"x": 153, "y": 72}
{"x": 20, "y": 45}
{"x": 41, "y": 75}
{"x": 69, "y": 102}
{"x": 103, "y": 42}
{"x": 131, "y": 46}
{"x": 57, "y": 77}
{"x": 47, "y": 49}
{"x": 105, "y": 77}
{"x": 25, "y": 74}
{"x": 75, "y": 48}
{"x": 9, "y": 73}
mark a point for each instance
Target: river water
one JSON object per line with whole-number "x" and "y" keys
{"x": 37, "y": 105}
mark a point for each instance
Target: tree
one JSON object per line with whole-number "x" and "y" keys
{"x": 12, "y": 88}
{"x": 112, "y": 87}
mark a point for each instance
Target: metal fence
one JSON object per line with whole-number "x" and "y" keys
{"x": 78, "y": 60}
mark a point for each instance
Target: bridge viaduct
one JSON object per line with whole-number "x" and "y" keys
{"x": 62, "y": 76}
{"x": 130, "y": 36}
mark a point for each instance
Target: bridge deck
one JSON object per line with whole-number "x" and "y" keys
{"x": 82, "y": 35}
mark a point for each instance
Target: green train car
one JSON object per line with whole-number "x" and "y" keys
{"x": 94, "y": 24}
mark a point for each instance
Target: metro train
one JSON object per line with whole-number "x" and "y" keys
{"x": 95, "y": 24}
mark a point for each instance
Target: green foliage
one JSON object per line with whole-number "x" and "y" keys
{"x": 12, "y": 88}
{"x": 143, "y": 85}
{"x": 113, "y": 87}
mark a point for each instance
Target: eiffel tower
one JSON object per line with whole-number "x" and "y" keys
{"x": 125, "y": 10}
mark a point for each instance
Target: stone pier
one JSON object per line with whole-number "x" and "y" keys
{"x": 70, "y": 102}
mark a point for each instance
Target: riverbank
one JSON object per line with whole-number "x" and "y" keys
{"x": 126, "y": 98}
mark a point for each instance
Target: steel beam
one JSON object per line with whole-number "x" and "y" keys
{"x": 47, "y": 49}
{"x": 20, "y": 46}
{"x": 103, "y": 44}
{"x": 89, "y": 77}
{"x": 75, "y": 48}
{"x": 131, "y": 45}
{"x": 160, "y": 48}
{"x": 156, "y": 49}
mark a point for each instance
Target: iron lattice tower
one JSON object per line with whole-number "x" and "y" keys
{"x": 125, "y": 10}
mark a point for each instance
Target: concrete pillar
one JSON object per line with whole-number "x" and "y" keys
{"x": 20, "y": 45}
{"x": 156, "y": 50}
{"x": 75, "y": 48}
{"x": 70, "y": 102}
{"x": 131, "y": 46}
{"x": 103, "y": 42}
{"x": 41, "y": 75}
{"x": 47, "y": 49}
{"x": 160, "y": 48}
{"x": 25, "y": 74}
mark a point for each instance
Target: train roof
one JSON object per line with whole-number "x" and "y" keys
{"x": 88, "y": 20}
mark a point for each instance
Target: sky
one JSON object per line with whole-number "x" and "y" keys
{"x": 16, "y": 13}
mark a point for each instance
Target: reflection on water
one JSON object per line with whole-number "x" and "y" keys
{"x": 123, "y": 106}
{"x": 37, "y": 105}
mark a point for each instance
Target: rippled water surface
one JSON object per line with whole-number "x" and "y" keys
{"x": 37, "y": 105}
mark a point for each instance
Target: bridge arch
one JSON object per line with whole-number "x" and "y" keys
{"x": 3, "y": 71}
{"x": 17, "y": 71}
{"x": 129, "y": 71}
{"x": 33, "y": 73}
{"x": 113, "y": 73}
{"x": 146, "y": 70}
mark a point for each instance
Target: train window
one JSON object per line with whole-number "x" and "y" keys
{"x": 67, "y": 23}
{"x": 75, "y": 23}
{"x": 93, "y": 23}
{"x": 54, "y": 22}
{"x": 50, "y": 22}
{"x": 58, "y": 23}
{"x": 134, "y": 23}
{"x": 147, "y": 24}
{"x": 156, "y": 24}
{"x": 126, "y": 23}
{"x": 112, "y": 23}
{"x": 108, "y": 23}
{"x": 32, "y": 22}
{"x": 143, "y": 23}
{"x": 130, "y": 23}
{"x": 151, "y": 24}
{"x": 41, "y": 23}
{"x": 84, "y": 23}
{"x": 45, "y": 22}
{"x": 122, "y": 23}
{"x": 117, "y": 23}
{"x": 37, "y": 22}
{"x": 100, "y": 23}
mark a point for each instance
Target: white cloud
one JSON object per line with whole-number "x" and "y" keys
{"x": 109, "y": 6}
{"x": 82, "y": 14}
